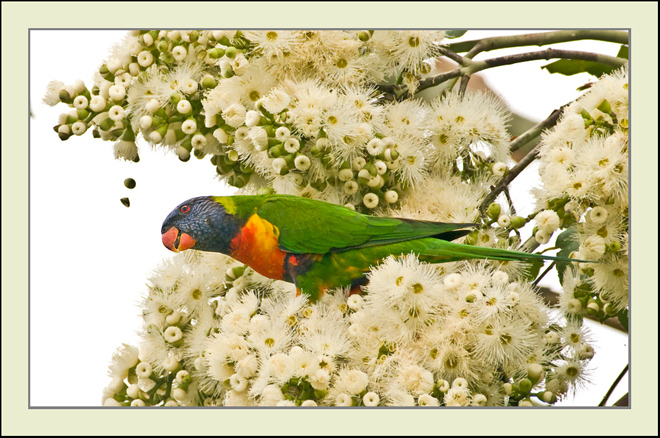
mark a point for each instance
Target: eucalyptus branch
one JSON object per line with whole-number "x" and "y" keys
{"x": 478, "y": 66}
{"x": 614, "y": 385}
{"x": 510, "y": 176}
{"x": 520, "y": 141}
{"x": 433, "y": 81}
{"x": 612, "y": 61}
{"x": 535, "y": 130}
{"x": 464, "y": 83}
{"x": 510, "y": 201}
{"x": 537, "y": 39}
{"x": 453, "y": 56}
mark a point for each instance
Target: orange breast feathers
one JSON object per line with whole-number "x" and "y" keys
{"x": 256, "y": 245}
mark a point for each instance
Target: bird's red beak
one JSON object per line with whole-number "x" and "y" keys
{"x": 176, "y": 241}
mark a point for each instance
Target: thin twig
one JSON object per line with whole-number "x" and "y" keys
{"x": 510, "y": 176}
{"x": 540, "y": 277}
{"x": 453, "y": 55}
{"x": 520, "y": 141}
{"x": 611, "y": 390}
{"x": 510, "y": 201}
{"x": 464, "y": 83}
{"x": 536, "y": 130}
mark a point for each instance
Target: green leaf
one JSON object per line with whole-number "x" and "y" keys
{"x": 623, "y": 318}
{"x": 568, "y": 243}
{"x": 533, "y": 269}
{"x": 623, "y": 52}
{"x": 569, "y": 67}
{"x": 455, "y": 33}
{"x": 462, "y": 46}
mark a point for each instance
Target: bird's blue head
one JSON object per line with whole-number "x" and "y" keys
{"x": 200, "y": 223}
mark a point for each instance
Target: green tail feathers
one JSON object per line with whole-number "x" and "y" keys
{"x": 449, "y": 251}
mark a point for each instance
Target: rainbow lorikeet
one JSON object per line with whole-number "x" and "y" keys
{"x": 314, "y": 244}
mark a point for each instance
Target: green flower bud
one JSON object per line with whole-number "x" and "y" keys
{"x": 162, "y": 46}
{"x": 187, "y": 144}
{"x": 319, "y": 185}
{"x": 129, "y": 183}
{"x": 549, "y": 397}
{"x": 239, "y": 181}
{"x": 494, "y": 211}
{"x": 216, "y": 53}
{"x": 472, "y": 238}
{"x": 107, "y": 124}
{"x": 175, "y": 98}
{"x": 525, "y": 385}
{"x": 371, "y": 168}
{"x": 224, "y": 40}
{"x": 290, "y": 158}
{"x": 615, "y": 246}
{"x": 229, "y": 73}
{"x": 326, "y": 160}
{"x": 276, "y": 151}
{"x": 209, "y": 82}
{"x": 82, "y": 114}
{"x": 183, "y": 153}
{"x": 227, "y": 159}
{"x": 270, "y": 131}
{"x": 265, "y": 191}
{"x": 592, "y": 308}
{"x": 534, "y": 372}
{"x": 224, "y": 168}
{"x": 364, "y": 36}
{"x": 246, "y": 169}
{"x": 231, "y": 52}
{"x": 609, "y": 309}
{"x": 391, "y": 154}
{"x": 518, "y": 222}
{"x": 199, "y": 154}
{"x": 167, "y": 57}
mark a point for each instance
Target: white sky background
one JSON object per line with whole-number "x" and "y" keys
{"x": 90, "y": 256}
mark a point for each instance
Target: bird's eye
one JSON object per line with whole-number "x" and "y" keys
{"x": 185, "y": 209}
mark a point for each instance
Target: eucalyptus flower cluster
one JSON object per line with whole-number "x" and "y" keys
{"x": 295, "y": 112}
{"x": 584, "y": 172}
{"x": 461, "y": 334}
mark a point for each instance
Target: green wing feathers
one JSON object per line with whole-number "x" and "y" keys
{"x": 308, "y": 226}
